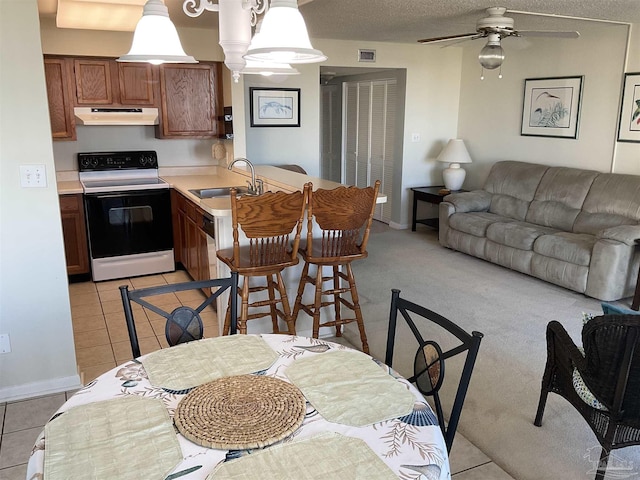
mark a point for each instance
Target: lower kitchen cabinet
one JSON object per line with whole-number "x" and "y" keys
{"x": 191, "y": 242}
{"x": 75, "y": 234}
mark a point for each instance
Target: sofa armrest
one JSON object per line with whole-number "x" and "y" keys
{"x": 627, "y": 234}
{"x": 475, "y": 201}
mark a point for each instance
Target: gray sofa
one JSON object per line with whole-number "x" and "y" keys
{"x": 571, "y": 227}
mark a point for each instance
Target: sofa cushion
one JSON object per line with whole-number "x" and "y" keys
{"x": 569, "y": 247}
{"x": 475, "y": 223}
{"x": 613, "y": 200}
{"x": 560, "y": 196}
{"x": 513, "y": 186}
{"x": 517, "y": 234}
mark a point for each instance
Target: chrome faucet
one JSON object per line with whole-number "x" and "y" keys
{"x": 256, "y": 187}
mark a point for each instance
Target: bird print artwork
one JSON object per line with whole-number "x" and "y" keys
{"x": 548, "y": 110}
{"x": 635, "y": 117}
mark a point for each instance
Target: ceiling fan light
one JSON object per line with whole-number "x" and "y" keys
{"x": 283, "y": 37}
{"x": 155, "y": 39}
{"x": 491, "y": 56}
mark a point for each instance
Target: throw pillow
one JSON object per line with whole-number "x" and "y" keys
{"x": 611, "y": 309}
{"x": 583, "y": 391}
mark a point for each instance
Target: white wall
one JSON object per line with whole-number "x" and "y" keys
{"x": 491, "y": 109}
{"x": 34, "y": 299}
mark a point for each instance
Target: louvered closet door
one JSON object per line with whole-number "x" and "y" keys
{"x": 330, "y": 164}
{"x": 369, "y": 132}
{"x": 350, "y": 126}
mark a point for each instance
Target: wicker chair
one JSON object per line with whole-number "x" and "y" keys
{"x": 344, "y": 216}
{"x": 610, "y": 369}
{"x": 183, "y": 324}
{"x": 268, "y": 221}
{"x": 429, "y": 360}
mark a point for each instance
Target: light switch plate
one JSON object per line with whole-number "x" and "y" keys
{"x": 33, "y": 176}
{"x": 5, "y": 344}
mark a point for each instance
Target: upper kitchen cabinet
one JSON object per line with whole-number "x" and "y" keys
{"x": 102, "y": 82}
{"x": 191, "y": 98}
{"x": 58, "y": 76}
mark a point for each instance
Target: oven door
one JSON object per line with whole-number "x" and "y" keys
{"x": 128, "y": 223}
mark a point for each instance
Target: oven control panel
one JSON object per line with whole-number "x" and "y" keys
{"x": 97, "y": 161}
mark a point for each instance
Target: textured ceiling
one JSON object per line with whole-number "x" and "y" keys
{"x": 409, "y": 20}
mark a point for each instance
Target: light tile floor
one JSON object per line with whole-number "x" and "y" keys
{"x": 102, "y": 342}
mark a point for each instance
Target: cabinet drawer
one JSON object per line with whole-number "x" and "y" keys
{"x": 70, "y": 203}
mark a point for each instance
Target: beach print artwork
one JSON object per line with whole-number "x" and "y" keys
{"x": 550, "y": 107}
{"x": 275, "y": 107}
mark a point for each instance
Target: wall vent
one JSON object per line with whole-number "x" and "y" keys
{"x": 366, "y": 55}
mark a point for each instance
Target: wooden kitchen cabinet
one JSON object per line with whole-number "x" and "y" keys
{"x": 58, "y": 77}
{"x": 191, "y": 100}
{"x": 191, "y": 242}
{"x": 105, "y": 82}
{"x": 75, "y": 235}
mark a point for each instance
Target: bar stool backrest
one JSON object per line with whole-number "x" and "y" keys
{"x": 268, "y": 221}
{"x": 344, "y": 215}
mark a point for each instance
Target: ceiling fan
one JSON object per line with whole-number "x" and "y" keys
{"x": 495, "y": 27}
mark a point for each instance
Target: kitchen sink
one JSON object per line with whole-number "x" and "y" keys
{"x": 218, "y": 192}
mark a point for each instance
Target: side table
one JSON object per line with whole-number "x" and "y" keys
{"x": 429, "y": 195}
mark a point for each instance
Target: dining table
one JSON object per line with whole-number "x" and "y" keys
{"x": 241, "y": 407}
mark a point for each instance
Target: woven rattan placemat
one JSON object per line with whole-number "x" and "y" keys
{"x": 240, "y": 412}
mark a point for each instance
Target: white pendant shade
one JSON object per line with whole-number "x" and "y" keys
{"x": 283, "y": 37}
{"x": 155, "y": 39}
{"x": 268, "y": 68}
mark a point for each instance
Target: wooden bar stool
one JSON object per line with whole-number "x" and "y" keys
{"x": 267, "y": 220}
{"x": 344, "y": 216}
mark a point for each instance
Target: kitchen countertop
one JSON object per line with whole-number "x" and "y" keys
{"x": 274, "y": 179}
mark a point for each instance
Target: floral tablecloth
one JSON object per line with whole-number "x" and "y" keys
{"x": 411, "y": 446}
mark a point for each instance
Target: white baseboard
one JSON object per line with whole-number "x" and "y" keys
{"x": 38, "y": 389}
{"x": 398, "y": 226}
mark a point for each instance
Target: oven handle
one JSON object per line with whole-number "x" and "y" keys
{"x": 127, "y": 193}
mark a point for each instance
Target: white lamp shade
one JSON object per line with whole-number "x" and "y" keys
{"x": 268, "y": 68}
{"x": 155, "y": 39}
{"x": 454, "y": 153}
{"x": 283, "y": 37}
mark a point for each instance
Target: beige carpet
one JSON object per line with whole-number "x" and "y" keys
{"x": 512, "y": 310}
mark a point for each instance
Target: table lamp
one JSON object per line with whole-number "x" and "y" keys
{"x": 454, "y": 153}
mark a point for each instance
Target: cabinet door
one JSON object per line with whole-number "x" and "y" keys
{"x": 191, "y": 101}
{"x": 93, "y": 82}
{"x": 136, "y": 83}
{"x": 58, "y": 77}
{"x": 75, "y": 234}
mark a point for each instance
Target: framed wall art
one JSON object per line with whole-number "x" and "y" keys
{"x": 629, "y": 125}
{"x": 274, "y": 107}
{"x": 551, "y": 107}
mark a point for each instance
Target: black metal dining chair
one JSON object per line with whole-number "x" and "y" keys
{"x": 429, "y": 361}
{"x": 184, "y": 323}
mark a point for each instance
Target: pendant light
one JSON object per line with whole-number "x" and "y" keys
{"x": 283, "y": 37}
{"x": 155, "y": 39}
{"x": 268, "y": 68}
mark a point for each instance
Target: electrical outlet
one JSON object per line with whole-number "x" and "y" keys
{"x": 415, "y": 137}
{"x": 5, "y": 344}
{"x": 33, "y": 176}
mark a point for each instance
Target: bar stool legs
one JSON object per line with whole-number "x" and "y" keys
{"x": 337, "y": 301}
{"x": 272, "y": 287}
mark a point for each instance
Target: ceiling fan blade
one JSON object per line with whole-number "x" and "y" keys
{"x": 547, "y": 33}
{"x": 448, "y": 37}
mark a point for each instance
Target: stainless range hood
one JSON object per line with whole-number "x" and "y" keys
{"x": 115, "y": 116}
